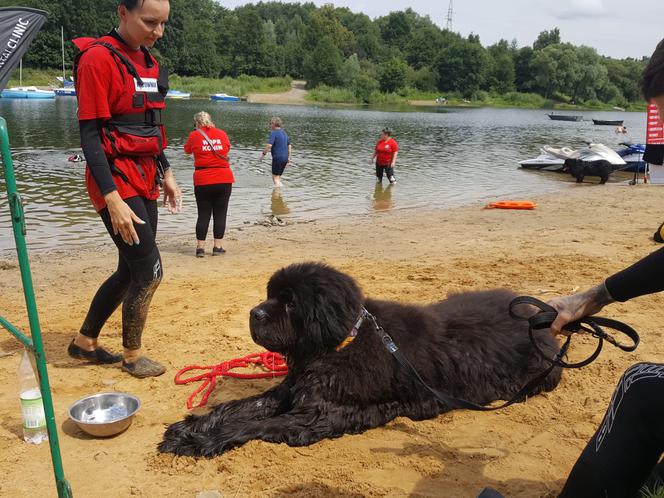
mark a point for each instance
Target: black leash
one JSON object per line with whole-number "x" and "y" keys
{"x": 540, "y": 320}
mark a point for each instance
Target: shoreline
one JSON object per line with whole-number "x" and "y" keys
{"x": 199, "y": 316}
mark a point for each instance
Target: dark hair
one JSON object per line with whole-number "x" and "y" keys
{"x": 652, "y": 83}
{"x": 387, "y": 131}
{"x": 131, "y": 4}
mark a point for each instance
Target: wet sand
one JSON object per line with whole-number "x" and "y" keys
{"x": 200, "y": 313}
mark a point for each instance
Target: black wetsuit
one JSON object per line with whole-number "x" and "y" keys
{"x": 630, "y": 441}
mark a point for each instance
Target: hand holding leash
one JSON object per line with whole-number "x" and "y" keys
{"x": 585, "y": 324}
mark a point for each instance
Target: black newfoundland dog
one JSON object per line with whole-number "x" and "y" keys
{"x": 466, "y": 346}
{"x": 579, "y": 169}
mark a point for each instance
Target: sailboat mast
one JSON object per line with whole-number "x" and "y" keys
{"x": 62, "y": 36}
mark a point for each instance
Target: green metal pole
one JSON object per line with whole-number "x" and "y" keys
{"x": 18, "y": 223}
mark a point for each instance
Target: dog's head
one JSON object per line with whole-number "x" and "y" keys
{"x": 310, "y": 309}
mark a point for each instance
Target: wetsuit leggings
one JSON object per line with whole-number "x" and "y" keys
{"x": 212, "y": 200}
{"x": 389, "y": 171}
{"x": 628, "y": 444}
{"x": 135, "y": 280}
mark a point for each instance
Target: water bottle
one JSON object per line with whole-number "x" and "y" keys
{"x": 32, "y": 408}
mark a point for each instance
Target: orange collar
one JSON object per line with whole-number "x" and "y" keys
{"x": 353, "y": 333}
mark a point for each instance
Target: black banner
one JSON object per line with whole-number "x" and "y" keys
{"x": 18, "y": 26}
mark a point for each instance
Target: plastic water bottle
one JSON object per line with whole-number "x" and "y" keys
{"x": 32, "y": 408}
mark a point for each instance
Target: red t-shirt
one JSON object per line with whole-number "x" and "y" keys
{"x": 213, "y": 168}
{"x": 385, "y": 150}
{"x": 101, "y": 92}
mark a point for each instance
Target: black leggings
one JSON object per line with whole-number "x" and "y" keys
{"x": 389, "y": 171}
{"x": 212, "y": 200}
{"x": 134, "y": 282}
{"x": 628, "y": 444}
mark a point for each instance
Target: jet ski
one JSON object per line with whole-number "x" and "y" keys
{"x": 553, "y": 159}
{"x": 632, "y": 154}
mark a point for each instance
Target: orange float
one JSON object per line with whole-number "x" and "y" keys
{"x": 511, "y": 205}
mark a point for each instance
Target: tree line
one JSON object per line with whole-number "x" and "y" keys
{"x": 336, "y": 47}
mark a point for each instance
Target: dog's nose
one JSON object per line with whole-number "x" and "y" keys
{"x": 258, "y": 314}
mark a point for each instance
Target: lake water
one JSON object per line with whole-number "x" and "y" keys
{"x": 447, "y": 157}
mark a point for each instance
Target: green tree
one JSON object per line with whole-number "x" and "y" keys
{"x": 323, "y": 64}
{"x": 547, "y": 38}
{"x": 250, "y": 54}
{"x": 423, "y": 46}
{"x": 423, "y": 79}
{"x": 500, "y": 71}
{"x": 393, "y": 75}
{"x": 364, "y": 87}
{"x": 350, "y": 71}
{"x": 523, "y": 77}
{"x": 460, "y": 68}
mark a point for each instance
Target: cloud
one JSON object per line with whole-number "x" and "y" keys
{"x": 579, "y": 9}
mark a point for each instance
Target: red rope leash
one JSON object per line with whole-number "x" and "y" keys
{"x": 274, "y": 365}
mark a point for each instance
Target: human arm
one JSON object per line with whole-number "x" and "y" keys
{"x": 395, "y": 152}
{"x": 266, "y": 149}
{"x": 643, "y": 277}
{"x": 122, "y": 216}
{"x": 172, "y": 193}
{"x": 290, "y": 151}
{"x": 189, "y": 145}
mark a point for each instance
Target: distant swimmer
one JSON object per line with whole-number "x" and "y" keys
{"x": 76, "y": 158}
{"x": 621, "y": 129}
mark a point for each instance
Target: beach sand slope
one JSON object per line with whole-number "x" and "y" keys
{"x": 199, "y": 315}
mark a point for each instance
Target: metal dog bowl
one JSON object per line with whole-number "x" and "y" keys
{"x": 104, "y": 414}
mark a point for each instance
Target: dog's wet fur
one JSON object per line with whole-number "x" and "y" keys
{"x": 579, "y": 169}
{"x": 466, "y": 346}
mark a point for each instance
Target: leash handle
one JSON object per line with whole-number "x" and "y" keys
{"x": 591, "y": 325}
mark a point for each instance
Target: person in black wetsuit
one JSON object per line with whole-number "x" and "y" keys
{"x": 623, "y": 453}
{"x": 630, "y": 440}
{"x": 120, "y": 90}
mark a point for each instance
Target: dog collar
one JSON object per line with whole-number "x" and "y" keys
{"x": 353, "y": 332}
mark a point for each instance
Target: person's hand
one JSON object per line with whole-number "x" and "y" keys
{"x": 577, "y": 306}
{"x": 122, "y": 218}
{"x": 172, "y": 193}
{"x": 262, "y": 157}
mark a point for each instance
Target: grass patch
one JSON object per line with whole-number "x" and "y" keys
{"x": 240, "y": 86}
{"x": 37, "y": 77}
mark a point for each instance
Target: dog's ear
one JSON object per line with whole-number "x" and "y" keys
{"x": 328, "y": 306}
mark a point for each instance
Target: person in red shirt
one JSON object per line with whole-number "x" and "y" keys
{"x": 120, "y": 90}
{"x": 213, "y": 180}
{"x": 385, "y": 154}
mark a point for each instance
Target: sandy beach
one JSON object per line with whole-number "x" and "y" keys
{"x": 199, "y": 315}
{"x": 297, "y": 95}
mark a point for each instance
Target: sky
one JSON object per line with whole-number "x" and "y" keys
{"x": 615, "y": 28}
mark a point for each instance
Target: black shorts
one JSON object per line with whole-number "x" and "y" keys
{"x": 278, "y": 166}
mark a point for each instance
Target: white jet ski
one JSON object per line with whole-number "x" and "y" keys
{"x": 553, "y": 159}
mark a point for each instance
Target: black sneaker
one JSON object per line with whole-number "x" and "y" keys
{"x": 216, "y": 251}
{"x": 200, "y": 253}
{"x": 99, "y": 355}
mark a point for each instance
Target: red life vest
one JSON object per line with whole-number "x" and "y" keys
{"x": 134, "y": 134}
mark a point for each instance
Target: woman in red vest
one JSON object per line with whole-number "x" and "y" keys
{"x": 213, "y": 180}
{"x": 385, "y": 154}
{"x": 120, "y": 90}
